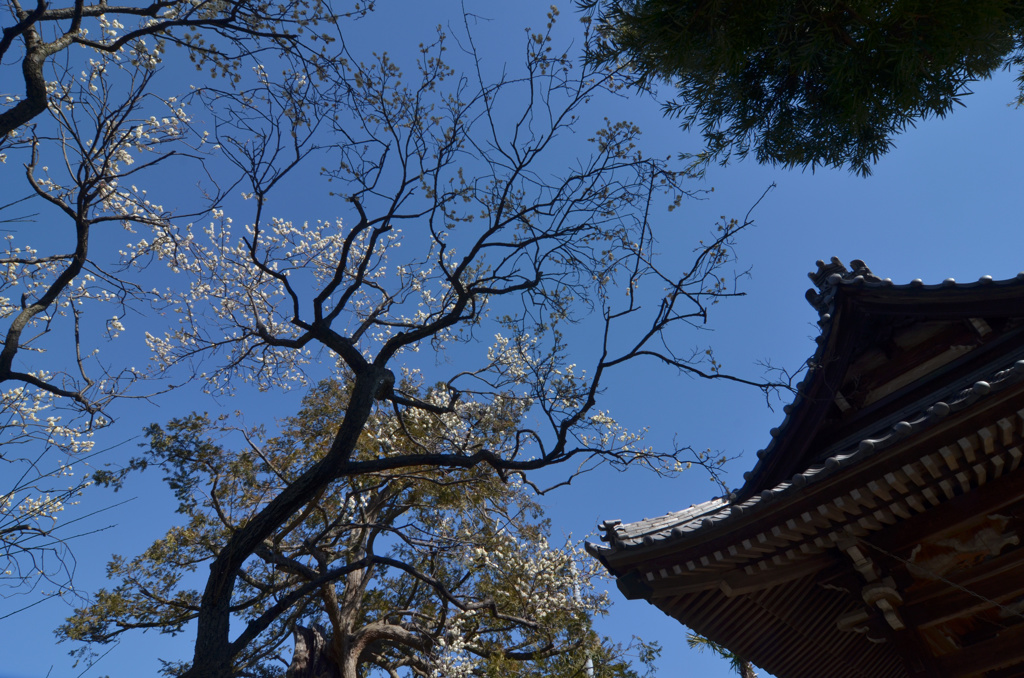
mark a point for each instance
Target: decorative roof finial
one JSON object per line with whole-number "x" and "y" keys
{"x": 828, "y": 276}
{"x": 820, "y": 278}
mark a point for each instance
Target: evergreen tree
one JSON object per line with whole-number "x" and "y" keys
{"x": 741, "y": 666}
{"x": 810, "y": 84}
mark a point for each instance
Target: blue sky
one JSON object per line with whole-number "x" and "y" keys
{"x": 945, "y": 203}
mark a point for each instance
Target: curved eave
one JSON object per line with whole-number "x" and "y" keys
{"x": 848, "y": 301}
{"x": 643, "y": 540}
{"x": 847, "y": 304}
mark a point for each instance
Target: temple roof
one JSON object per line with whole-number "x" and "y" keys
{"x": 852, "y": 292}
{"x": 880, "y": 533}
{"x": 720, "y": 511}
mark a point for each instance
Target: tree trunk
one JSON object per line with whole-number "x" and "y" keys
{"x": 214, "y": 650}
{"x": 312, "y": 658}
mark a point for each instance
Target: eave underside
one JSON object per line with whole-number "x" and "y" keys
{"x": 911, "y": 567}
{"x": 789, "y": 629}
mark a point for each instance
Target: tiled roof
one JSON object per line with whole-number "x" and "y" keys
{"x": 828, "y": 279}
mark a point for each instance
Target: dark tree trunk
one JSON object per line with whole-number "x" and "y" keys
{"x": 214, "y": 650}
{"x": 312, "y": 658}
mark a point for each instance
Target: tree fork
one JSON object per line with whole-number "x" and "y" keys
{"x": 214, "y": 650}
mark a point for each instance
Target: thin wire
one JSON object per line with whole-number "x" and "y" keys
{"x": 1009, "y": 611}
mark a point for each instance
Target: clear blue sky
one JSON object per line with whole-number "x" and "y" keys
{"x": 946, "y": 203}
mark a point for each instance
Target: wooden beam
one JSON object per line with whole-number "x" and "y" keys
{"x": 1000, "y": 652}
{"x": 997, "y": 580}
{"x": 740, "y": 583}
{"x": 915, "y": 653}
{"x": 952, "y": 516}
{"x": 1011, "y": 672}
{"x": 737, "y": 582}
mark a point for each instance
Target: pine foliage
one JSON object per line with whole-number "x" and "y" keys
{"x": 808, "y": 84}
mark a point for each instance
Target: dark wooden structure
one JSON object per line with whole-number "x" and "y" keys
{"x": 879, "y": 534}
